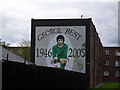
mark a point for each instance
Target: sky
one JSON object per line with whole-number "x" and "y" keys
{"x": 16, "y": 15}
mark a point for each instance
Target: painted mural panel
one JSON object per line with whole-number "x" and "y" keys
{"x": 61, "y": 47}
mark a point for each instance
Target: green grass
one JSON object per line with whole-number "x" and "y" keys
{"x": 110, "y": 85}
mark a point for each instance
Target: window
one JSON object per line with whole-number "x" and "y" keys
{"x": 117, "y": 52}
{"x": 106, "y": 52}
{"x": 106, "y": 73}
{"x": 117, "y": 74}
{"x": 106, "y": 62}
{"x": 117, "y": 63}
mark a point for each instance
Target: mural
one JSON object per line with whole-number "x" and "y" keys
{"x": 61, "y": 47}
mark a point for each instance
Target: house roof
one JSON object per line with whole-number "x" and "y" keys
{"x": 11, "y": 56}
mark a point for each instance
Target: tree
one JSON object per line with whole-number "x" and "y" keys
{"x": 4, "y": 44}
{"x": 25, "y": 47}
{"x": 25, "y": 43}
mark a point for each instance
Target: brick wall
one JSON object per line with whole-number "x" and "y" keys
{"x": 96, "y": 57}
{"x": 111, "y": 68}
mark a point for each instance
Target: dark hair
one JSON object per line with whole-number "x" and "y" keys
{"x": 60, "y": 37}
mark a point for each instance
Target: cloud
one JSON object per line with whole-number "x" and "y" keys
{"x": 15, "y": 29}
{"x": 17, "y": 14}
{"x": 0, "y": 27}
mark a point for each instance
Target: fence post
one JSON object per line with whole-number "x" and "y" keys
{"x": 7, "y": 57}
{"x": 25, "y": 60}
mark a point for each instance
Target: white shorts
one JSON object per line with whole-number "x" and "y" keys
{"x": 57, "y": 65}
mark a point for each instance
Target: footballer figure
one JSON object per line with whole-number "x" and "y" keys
{"x": 59, "y": 53}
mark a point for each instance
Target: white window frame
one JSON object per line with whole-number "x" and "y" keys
{"x": 117, "y": 53}
{"x": 106, "y": 62}
{"x": 106, "y": 73}
{"x": 107, "y": 52}
{"x": 117, "y": 63}
{"x": 117, "y": 73}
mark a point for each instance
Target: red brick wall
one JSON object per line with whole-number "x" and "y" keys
{"x": 111, "y": 67}
{"x": 96, "y": 50}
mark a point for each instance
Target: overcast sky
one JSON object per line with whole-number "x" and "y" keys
{"x": 15, "y": 17}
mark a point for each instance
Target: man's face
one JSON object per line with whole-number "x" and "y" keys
{"x": 60, "y": 42}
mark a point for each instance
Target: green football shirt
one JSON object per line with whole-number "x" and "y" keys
{"x": 59, "y": 52}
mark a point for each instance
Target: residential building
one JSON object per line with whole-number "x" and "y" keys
{"x": 103, "y": 63}
{"x": 96, "y": 56}
{"x": 111, "y": 64}
{"x": 6, "y": 54}
{"x": 23, "y": 52}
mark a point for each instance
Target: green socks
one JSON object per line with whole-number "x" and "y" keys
{"x": 62, "y": 66}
